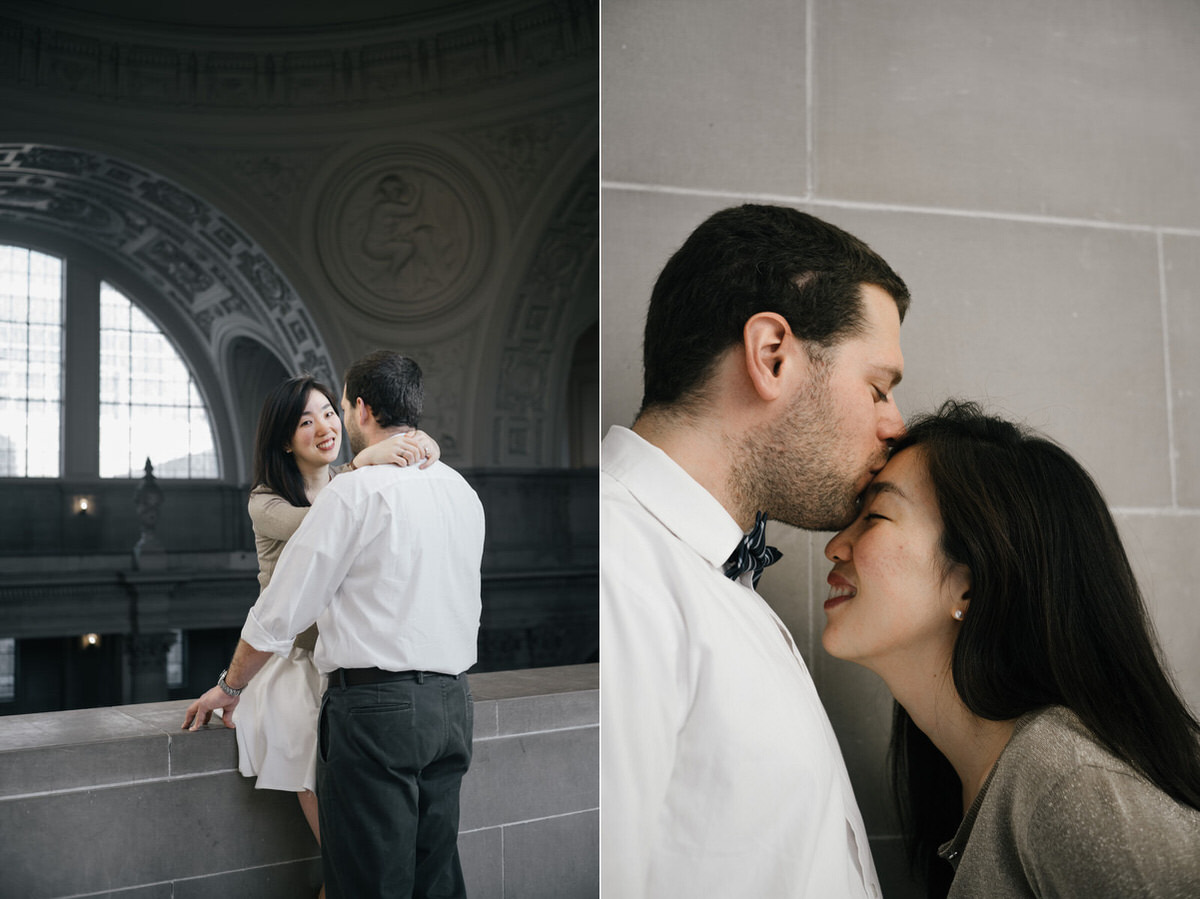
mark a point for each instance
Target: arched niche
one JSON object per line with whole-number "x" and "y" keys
{"x": 255, "y": 369}
{"x": 557, "y": 302}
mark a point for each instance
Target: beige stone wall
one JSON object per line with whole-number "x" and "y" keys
{"x": 1029, "y": 168}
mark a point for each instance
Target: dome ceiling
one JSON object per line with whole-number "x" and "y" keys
{"x": 262, "y": 14}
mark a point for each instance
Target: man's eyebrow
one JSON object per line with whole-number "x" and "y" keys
{"x": 895, "y": 374}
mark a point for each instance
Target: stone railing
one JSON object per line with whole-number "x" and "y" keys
{"x": 121, "y": 802}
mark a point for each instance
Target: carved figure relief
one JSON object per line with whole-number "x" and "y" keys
{"x": 419, "y": 249}
{"x": 402, "y": 234}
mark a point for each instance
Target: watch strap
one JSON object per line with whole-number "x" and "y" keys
{"x": 229, "y": 691}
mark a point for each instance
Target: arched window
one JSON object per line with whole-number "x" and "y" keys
{"x": 31, "y": 340}
{"x": 149, "y": 403}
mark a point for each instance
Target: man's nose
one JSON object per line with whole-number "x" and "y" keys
{"x": 891, "y": 424}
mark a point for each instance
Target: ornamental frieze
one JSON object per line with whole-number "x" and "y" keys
{"x": 210, "y": 271}
{"x": 400, "y": 59}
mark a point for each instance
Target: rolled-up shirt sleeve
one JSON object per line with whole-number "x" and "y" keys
{"x": 312, "y": 566}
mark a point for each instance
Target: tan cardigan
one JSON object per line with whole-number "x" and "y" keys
{"x": 1062, "y": 816}
{"x": 274, "y": 520}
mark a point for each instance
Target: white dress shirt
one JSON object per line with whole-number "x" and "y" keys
{"x": 387, "y": 563}
{"x": 720, "y": 772}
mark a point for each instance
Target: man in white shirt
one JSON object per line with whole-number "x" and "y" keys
{"x": 771, "y": 351}
{"x": 387, "y": 562}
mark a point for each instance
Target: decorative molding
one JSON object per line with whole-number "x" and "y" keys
{"x": 276, "y": 178}
{"x": 198, "y": 260}
{"x": 523, "y": 151}
{"x": 524, "y": 390}
{"x": 401, "y": 59}
{"x": 403, "y": 233}
{"x": 444, "y": 376}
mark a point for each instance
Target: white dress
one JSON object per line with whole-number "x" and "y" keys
{"x": 276, "y": 716}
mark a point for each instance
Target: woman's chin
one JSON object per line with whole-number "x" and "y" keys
{"x": 830, "y": 643}
{"x": 839, "y": 650}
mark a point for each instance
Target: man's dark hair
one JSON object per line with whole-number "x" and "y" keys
{"x": 745, "y": 260}
{"x": 390, "y": 383}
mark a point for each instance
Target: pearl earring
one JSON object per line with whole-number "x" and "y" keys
{"x": 958, "y": 614}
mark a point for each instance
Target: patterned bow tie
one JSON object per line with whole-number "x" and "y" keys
{"x": 752, "y": 552}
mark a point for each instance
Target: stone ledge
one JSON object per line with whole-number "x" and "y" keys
{"x": 115, "y": 800}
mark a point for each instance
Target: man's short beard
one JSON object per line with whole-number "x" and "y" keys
{"x": 790, "y": 467}
{"x": 355, "y": 438}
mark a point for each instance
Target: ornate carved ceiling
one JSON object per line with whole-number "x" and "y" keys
{"x": 205, "y": 265}
{"x": 284, "y": 57}
{"x": 421, "y": 179}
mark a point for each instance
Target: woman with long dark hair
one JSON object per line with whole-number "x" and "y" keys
{"x": 1039, "y": 748}
{"x": 298, "y": 439}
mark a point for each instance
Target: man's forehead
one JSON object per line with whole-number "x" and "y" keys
{"x": 878, "y": 343}
{"x": 875, "y": 353}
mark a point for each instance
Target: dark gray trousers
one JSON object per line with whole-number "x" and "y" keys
{"x": 390, "y": 763}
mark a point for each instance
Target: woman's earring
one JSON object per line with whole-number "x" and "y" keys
{"x": 958, "y": 614}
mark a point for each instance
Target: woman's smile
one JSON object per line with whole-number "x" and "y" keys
{"x": 840, "y": 591}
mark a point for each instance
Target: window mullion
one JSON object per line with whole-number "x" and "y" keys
{"x": 81, "y": 364}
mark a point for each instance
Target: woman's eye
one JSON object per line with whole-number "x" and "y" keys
{"x": 875, "y": 515}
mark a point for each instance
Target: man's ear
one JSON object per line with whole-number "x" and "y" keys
{"x": 769, "y": 351}
{"x": 362, "y": 411}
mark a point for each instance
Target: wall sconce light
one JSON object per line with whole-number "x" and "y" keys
{"x": 89, "y": 641}
{"x": 83, "y": 504}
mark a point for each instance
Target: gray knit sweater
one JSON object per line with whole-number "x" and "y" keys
{"x": 1060, "y": 816}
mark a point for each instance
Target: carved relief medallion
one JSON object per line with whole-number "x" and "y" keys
{"x": 403, "y": 234}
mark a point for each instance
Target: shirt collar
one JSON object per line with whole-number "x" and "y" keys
{"x": 670, "y": 494}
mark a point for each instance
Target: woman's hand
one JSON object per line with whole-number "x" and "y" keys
{"x": 401, "y": 449}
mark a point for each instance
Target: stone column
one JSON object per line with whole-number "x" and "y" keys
{"x": 149, "y": 553}
{"x": 150, "y": 590}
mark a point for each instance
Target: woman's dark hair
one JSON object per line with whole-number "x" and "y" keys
{"x": 274, "y": 467}
{"x": 1056, "y": 618}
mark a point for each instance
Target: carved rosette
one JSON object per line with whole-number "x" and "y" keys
{"x": 404, "y": 234}
{"x": 524, "y": 151}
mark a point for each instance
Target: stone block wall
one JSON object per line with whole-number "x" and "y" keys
{"x": 120, "y": 802}
{"x": 1029, "y": 168}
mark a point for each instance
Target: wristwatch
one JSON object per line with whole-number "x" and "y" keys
{"x": 229, "y": 691}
